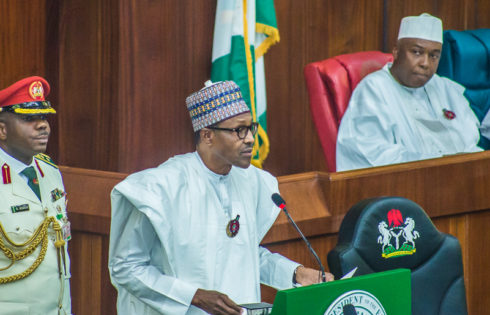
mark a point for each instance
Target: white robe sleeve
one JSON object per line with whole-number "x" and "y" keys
{"x": 367, "y": 132}
{"x": 132, "y": 240}
{"x": 276, "y": 270}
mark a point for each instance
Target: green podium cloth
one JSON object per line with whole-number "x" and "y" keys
{"x": 369, "y": 294}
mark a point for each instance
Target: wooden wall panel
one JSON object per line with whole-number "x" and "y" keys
{"x": 22, "y": 40}
{"x": 91, "y": 289}
{"x": 87, "y": 75}
{"x": 477, "y": 246}
{"x": 165, "y": 54}
{"x": 86, "y": 249}
{"x": 472, "y": 232}
{"x": 51, "y": 63}
{"x": 480, "y": 17}
{"x": 290, "y": 127}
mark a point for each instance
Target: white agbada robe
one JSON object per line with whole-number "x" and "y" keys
{"x": 387, "y": 123}
{"x": 168, "y": 237}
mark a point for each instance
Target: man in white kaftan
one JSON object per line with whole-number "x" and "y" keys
{"x": 387, "y": 122}
{"x": 405, "y": 112}
{"x": 183, "y": 208}
{"x": 172, "y": 236}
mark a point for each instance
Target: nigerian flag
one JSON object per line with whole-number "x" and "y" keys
{"x": 243, "y": 32}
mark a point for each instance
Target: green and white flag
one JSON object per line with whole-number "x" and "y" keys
{"x": 243, "y": 32}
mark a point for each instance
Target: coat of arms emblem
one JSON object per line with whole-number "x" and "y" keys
{"x": 397, "y": 236}
{"x": 36, "y": 90}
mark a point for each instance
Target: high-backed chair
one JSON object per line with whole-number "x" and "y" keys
{"x": 330, "y": 83}
{"x": 386, "y": 233}
{"x": 465, "y": 58}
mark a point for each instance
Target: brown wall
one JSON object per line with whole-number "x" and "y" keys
{"x": 121, "y": 69}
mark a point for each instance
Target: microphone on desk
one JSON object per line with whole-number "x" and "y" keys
{"x": 277, "y": 199}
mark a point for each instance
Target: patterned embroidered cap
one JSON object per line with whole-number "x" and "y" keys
{"x": 214, "y": 103}
{"x": 27, "y": 97}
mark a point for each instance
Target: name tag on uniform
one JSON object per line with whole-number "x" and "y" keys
{"x": 19, "y": 208}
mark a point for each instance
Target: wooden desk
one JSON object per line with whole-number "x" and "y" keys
{"x": 453, "y": 191}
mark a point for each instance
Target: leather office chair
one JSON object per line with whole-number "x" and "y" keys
{"x": 386, "y": 233}
{"x": 330, "y": 83}
{"x": 465, "y": 58}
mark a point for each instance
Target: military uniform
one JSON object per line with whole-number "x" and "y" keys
{"x": 21, "y": 213}
{"x": 34, "y": 232}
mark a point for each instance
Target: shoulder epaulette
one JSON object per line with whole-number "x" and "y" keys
{"x": 46, "y": 159}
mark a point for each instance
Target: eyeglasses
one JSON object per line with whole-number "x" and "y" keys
{"x": 241, "y": 131}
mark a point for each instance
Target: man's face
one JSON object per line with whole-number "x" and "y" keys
{"x": 227, "y": 148}
{"x": 23, "y": 136}
{"x": 415, "y": 61}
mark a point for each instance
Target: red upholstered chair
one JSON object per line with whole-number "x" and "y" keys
{"x": 330, "y": 83}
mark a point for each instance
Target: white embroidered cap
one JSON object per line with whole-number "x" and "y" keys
{"x": 424, "y": 26}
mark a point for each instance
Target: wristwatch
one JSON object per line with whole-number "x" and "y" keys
{"x": 295, "y": 283}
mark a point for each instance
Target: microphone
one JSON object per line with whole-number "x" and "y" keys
{"x": 277, "y": 199}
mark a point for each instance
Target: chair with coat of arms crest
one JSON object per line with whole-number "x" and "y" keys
{"x": 384, "y": 233}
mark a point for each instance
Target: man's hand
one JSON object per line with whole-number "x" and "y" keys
{"x": 215, "y": 303}
{"x": 307, "y": 276}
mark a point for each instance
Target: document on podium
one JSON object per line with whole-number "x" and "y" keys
{"x": 349, "y": 274}
{"x": 257, "y": 308}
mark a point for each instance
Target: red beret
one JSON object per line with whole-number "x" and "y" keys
{"x": 27, "y": 96}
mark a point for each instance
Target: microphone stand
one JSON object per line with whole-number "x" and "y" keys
{"x": 324, "y": 278}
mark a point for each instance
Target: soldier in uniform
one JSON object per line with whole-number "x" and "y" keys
{"x": 34, "y": 228}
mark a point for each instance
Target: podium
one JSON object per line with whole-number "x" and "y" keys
{"x": 374, "y": 294}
